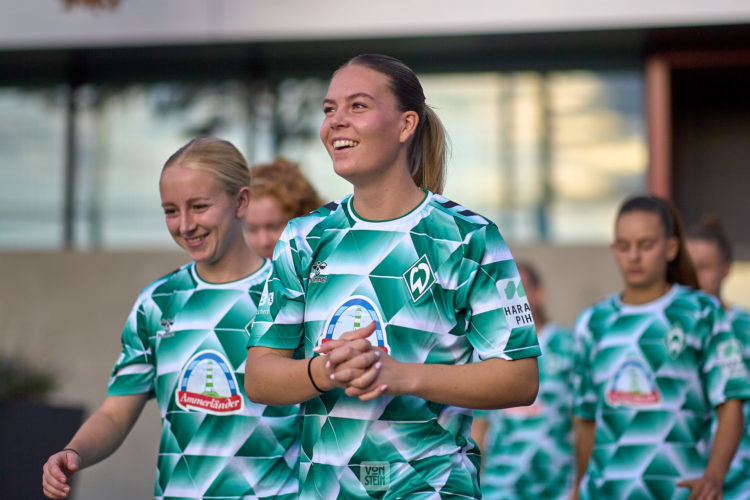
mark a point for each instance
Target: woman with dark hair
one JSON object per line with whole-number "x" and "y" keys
{"x": 390, "y": 293}
{"x": 652, "y": 363}
{"x": 711, "y": 253}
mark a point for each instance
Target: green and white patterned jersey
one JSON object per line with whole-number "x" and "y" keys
{"x": 528, "y": 451}
{"x": 185, "y": 343}
{"x": 442, "y": 286}
{"x": 649, "y": 375}
{"x": 737, "y": 481}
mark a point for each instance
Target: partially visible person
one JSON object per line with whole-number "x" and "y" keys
{"x": 527, "y": 452}
{"x": 652, "y": 364}
{"x": 711, "y": 252}
{"x": 184, "y": 343}
{"x": 279, "y": 192}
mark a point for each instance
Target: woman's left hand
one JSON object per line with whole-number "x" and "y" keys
{"x": 388, "y": 379}
{"x": 703, "y": 488}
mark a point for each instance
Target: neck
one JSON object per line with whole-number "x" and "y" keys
{"x": 236, "y": 264}
{"x": 387, "y": 198}
{"x": 643, "y": 295}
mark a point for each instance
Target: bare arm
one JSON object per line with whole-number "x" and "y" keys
{"x": 489, "y": 384}
{"x": 479, "y": 432}
{"x": 99, "y": 436}
{"x": 585, "y": 432}
{"x": 730, "y": 424}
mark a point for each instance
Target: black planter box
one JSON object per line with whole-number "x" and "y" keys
{"x": 29, "y": 433}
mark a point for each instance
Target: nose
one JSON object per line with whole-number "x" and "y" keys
{"x": 633, "y": 253}
{"x": 338, "y": 118}
{"x": 186, "y": 222}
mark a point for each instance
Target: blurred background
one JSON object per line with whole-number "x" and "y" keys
{"x": 556, "y": 112}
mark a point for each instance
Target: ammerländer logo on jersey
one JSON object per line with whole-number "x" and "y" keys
{"x": 419, "y": 278}
{"x": 355, "y": 312}
{"x": 633, "y": 385}
{"x": 207, "y": 384}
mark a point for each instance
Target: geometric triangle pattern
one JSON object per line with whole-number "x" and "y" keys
{"x": 528, "y": 451}
{"x": 649, "y": 376}
{"x": 442, "y": 288}
{"x": 185, "y": 343}
{"x": 737, "y": 480}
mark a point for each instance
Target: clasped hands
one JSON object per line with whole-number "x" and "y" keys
{"x": 352, "y": 363}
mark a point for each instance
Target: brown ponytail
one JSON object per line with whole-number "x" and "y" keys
{"x": 429, "y": 146}
{"x": 680, "y": 269}
{"x": 710, "y": 229}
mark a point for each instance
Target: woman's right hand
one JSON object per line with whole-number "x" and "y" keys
{"x": 56, "y": 473}
{"x": 352, "y": 358}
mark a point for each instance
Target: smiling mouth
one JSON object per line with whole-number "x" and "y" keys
{"x": 195, "y": 240}
{"x": 340, "y": 144}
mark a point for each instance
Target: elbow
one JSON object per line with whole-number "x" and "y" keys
{"x": 253, "y": 388}
{"x": 530, "y": 388}
{"x": 529, "y": 394}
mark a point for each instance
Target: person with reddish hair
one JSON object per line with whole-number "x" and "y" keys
{"x": 279, "y": 191}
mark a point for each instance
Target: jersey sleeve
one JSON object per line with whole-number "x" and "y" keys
{"x": 134, "y": 372}
{"x": 584, "y": 392}
{"x": 279, "y": 322}
{"x": 723, "y": 371}
{"x": 499, "y": 324}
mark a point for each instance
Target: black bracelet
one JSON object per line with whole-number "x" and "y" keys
{"x": 309, "y": 374}
{"x": 71, "y": 449}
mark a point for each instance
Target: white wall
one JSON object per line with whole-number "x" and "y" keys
{"x": 47, "y": 24}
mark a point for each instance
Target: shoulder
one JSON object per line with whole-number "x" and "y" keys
{"x": 481, "y": 237}
{"x": 737, "y": 314}
{"x": 441, "y": 205}
{"x": 329, "y": 215}
{"x": 177, "y": 279}
{"x": 598, "y": 312}
{"x": 690, "y": 298}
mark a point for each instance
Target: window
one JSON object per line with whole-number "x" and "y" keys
{"x": 548, "y": 156}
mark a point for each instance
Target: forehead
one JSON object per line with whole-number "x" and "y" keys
{"x": 264, "y": 208}
{"x": 639, "y": 224}
{"x": 702, "y": 249}
{"x": 355, "y": 79}
{"x": 185, "y": 182}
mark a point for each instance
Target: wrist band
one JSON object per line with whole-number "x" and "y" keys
{"x": 71, "y": 449}
{"x": 309, "y": 374}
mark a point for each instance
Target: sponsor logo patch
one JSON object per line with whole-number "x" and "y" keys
{"x": 729, "y": 353}
{"x": 207, "y": 384}
{"x": 515, "y": 304}
{"x": 633, "y": 385}
{"x": 355, "y": 312}
{"x": 375, "y": 476}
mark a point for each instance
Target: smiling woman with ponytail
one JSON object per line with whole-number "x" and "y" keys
{"x": 392, "y": 297}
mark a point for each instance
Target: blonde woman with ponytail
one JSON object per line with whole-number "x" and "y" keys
{"x": 393, "y": 312}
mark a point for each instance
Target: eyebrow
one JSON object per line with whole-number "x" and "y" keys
{"x": 190, "y": 200}
{"x": 352, "y": 96}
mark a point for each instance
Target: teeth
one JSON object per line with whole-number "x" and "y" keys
{"x": 195, "y": 239}
{"x": 344, "y": 143}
